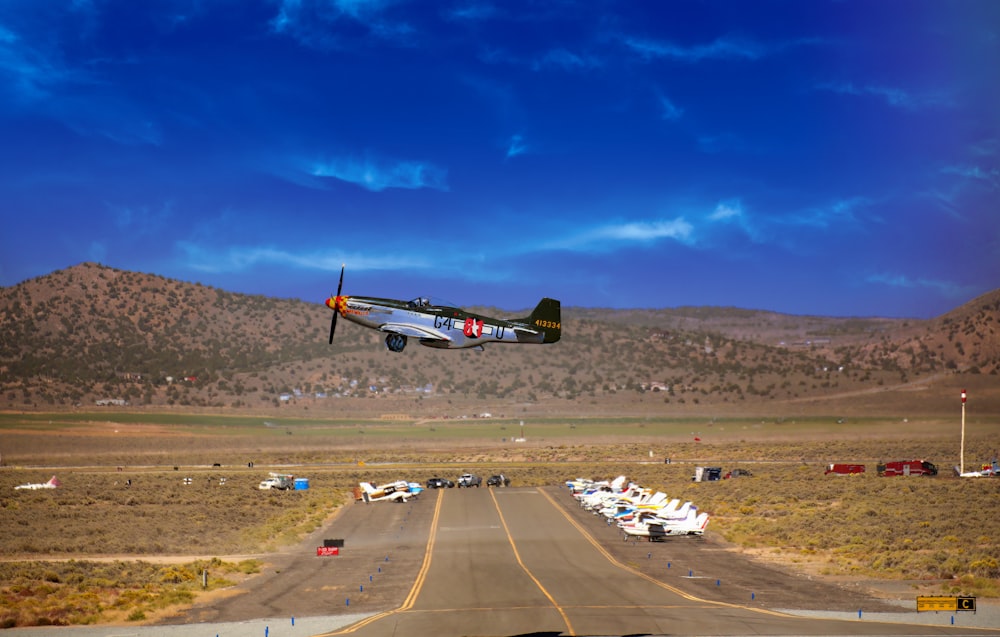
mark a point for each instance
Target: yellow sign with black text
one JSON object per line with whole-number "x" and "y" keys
{"x": 946, "y": 603}
{"x": 967, "y": 603}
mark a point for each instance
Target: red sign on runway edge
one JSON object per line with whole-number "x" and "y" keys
{"x": 327, "y": 550}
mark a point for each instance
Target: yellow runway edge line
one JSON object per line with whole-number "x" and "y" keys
{"x": 417, "y": 584}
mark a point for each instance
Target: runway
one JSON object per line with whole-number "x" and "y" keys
{"x": 499, "y": 563}
{"x": 513, "y": 562}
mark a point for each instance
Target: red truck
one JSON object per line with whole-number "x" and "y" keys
{"x": 844, "y": 469}
{"x": 908, "y": 468}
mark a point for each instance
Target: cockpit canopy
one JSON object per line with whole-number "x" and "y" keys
{"x": 420, "y": 301}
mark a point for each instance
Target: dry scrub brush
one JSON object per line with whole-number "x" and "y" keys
{"x": 72, "y": 592}
{"x": 157, "y": 514}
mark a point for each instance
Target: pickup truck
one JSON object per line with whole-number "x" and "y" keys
{"x": 468, "y": 480}
{"x": 280, "y": 481}
{"x": 498, "y": 481}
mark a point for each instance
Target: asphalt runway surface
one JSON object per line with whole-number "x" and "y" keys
{"x": 518, "y": 562}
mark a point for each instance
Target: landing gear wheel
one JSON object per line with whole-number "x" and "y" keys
{"x": 395, "y": 342}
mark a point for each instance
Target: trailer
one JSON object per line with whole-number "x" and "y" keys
{"x": 844, "y": 469}
{"x": 706, "y": 474}
{"x": 908, "y": 468}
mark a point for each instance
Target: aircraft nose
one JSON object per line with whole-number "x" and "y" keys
{"x": 337, "y": 303}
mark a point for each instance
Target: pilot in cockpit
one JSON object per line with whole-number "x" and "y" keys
{"x": 419, "y": 302}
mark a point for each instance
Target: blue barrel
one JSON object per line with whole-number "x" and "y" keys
{"x": 301, "y": 484}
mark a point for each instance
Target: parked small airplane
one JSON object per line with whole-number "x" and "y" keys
{"x": 401, "y": 490}
{"x": 51, "y": 484}
{"x": 693, "y": 523}
{"x": 442, "y": 326}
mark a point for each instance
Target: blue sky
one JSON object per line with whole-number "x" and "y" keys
{"x": 835, "y": 158}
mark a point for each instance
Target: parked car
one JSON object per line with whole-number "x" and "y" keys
{"x": 440, "y": 483}
{"x": 498, "y": 481}
{"x": 468, "y": 480}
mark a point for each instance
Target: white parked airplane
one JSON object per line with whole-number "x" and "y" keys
{"x": 400, "y": 491}
{"x": 51, "y": 484}
{"x": 655, "y": 528}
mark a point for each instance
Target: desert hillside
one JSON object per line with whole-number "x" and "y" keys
{"x": 91, "y": 335}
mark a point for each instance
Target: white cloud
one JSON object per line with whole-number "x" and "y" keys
{"x": 726, "y": 210}
{"x": 378, "y": 175}
{"x": 611, "y": 236}
{"x": 207, "y": 258}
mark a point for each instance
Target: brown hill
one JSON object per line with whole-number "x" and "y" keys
{"x": 92, "y": 333}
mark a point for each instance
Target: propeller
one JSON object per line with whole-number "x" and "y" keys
{"x": 336, "y": 302}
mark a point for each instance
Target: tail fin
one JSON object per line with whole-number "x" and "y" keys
{"x": 547, "y": 318}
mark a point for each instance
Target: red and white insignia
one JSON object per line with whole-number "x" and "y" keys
{"x": 473, "y": 328}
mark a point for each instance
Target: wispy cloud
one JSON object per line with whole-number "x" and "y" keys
{"x": 472, "y": 12}
{"x": 516, "y": 147}
{"x": 37, "y": 79}
{"x": 557, "y": 59}
{"x": 988, "y": 176}
{"x": 668, "y": 110}
{"x": 893, "y": 96}
{"x": 902, "y": 281}
{"x": 612, "y": 236}
{"x": 29, "y": 74}
{"x": 378, "y": 175}
{"x": 731, "y": 213}
{"x": 141, "y": 220}
{"x": 561, "y": 59}
{"x": 326, "y": 24}
{"x": 838, "y": 213}
{"x": 207, "y": 258}
{"x": 719, "y": 49}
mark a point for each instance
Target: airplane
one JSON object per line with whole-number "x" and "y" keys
{"x": 442, "y": 326}
{"x": 400, "y": 491}
{"x": 654, "y": 528}
{"x": 51, "y": 484}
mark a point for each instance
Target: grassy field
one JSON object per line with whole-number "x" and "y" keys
{"x": 125, "y": 500}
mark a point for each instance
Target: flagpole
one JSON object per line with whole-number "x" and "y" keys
{"x": 961, "y": 459}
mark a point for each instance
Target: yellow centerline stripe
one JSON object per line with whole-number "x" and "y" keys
{"x": 418, "y": 583}
{"x": 517, "y": 556}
